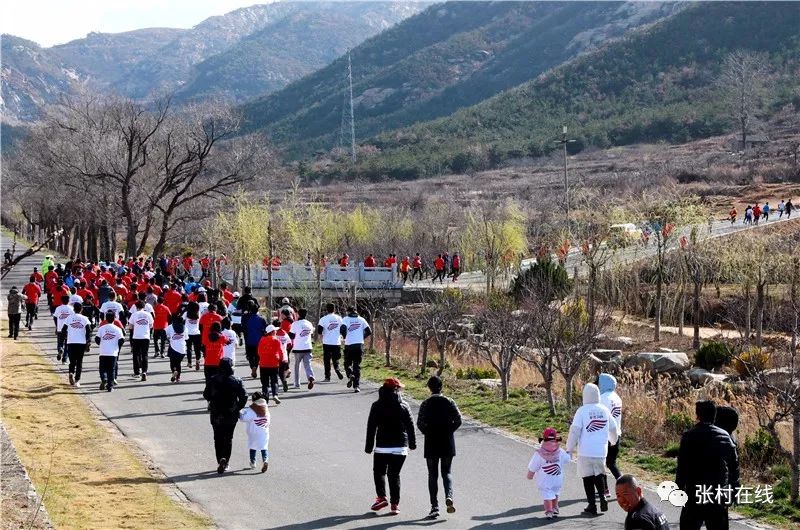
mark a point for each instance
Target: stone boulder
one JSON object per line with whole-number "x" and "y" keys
{"x": 661, "y": 362}
{"x": 606, "y": 354}
{"x": 700, "y": 376}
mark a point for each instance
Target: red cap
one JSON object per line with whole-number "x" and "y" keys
{"x": 550, "y": 434}
{"x": 393, "y": 382}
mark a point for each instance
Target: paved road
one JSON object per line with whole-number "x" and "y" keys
{"x": 319, "y": 475}
{"x": 477, "y": 280}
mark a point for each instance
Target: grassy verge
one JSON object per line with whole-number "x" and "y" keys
{"x": 88, "y": 476}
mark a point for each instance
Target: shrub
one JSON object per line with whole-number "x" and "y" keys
{"x": 751, "y": 361}
{"x": 713, "y": 355}
{"x": 545, "y": 277}
{"x": 678, "y": 423}
{"x": 760, "y": 449}
{"x": 476, "y": 372}
{"x": 671, "y": 450}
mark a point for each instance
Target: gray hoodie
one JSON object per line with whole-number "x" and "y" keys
{"x": 15, "y": 301}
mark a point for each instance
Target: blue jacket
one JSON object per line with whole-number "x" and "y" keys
{"x": 253, "y": 327}
{"x": 607, "y": 383}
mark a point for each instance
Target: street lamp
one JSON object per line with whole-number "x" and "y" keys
{"x": 564, "y": 141}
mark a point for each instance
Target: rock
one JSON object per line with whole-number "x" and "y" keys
{"x": 491, "y": 383}
{"x": 625, "y": 341}
{"x": 779, "y": 377}
{"x": 606, "y": 354}
{"x": 701, "y": 376}
{"x": 667, "y": 350}
{"x": 661, "y": 362}
{"x": 614, "y": 343}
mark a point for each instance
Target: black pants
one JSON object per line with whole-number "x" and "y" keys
{"x": 193, "y": 343}
{"x": 13, "y": 325}
{"x": 223, "y": 437}
{"x": 175, "y": 362}
{"x": 282, "y": 373}
{"x": 251, "y": 352}
{"x": 76, "y": 352}
{"x": 383, "y": 465}
{"x": 611, "y": 459}
{"x": 438, "y": 275}
{"x": 715, "y": 516}
{"x": 352, "y": 362}
{"x": 416, "y": 272}
{"x": 209, "y": 372}
{"x": 269, "y": 381}
{"x": 433, "y": 478}
{"x": 108, "y": 364}
{"x": 139, "y": 348}
{"x": 159, "y": 340}
{"x": 237, "y": 328}
{"x": 331, "y": 353}
{"x": 30, "y": 313}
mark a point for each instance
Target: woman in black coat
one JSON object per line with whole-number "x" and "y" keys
{"x": 390, "y": 431}
{"x": 226, "y": 396}
{"x": 438, "y": 419}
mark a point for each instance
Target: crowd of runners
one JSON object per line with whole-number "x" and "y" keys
{"x": 755, "y": 214}
{"x": 196, "y": 323}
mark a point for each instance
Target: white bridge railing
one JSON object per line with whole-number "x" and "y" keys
{"x": 295, "y": 276}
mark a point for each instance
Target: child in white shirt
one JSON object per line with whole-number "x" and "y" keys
{"x": 548, "y": 466}
{"x": 257, "y": 419}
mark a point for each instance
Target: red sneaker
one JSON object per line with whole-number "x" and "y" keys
{"x": 395, "y": 510}
{"x": 379, "y": 504}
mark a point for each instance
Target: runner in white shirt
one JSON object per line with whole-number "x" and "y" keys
{"x": 354, "y": 329}
{"x": 110, "y": 339}
{"x": 328, "y": 328}
{"x": 177, "y": 335}
{"x": 112, "y": 305}
{"x": 75, "y": 299}
{"x": 229, "y": 349}
{"x": 300, "y": 333}
{"x": 141, "y": 322}
{"x": 77, "y": 330}
{"x": 60, "y": 317}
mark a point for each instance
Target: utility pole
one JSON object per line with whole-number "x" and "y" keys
{"x": 352, "y": 119}
{"x": 564, "y": 141}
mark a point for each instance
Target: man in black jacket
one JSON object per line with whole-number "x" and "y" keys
{"x": 226, "y": 396}
{"x": 707, "y": 463}
{"x": 438, "y": 419}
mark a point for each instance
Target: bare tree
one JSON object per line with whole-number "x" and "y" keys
{"x": 442, "y": 316}
{"x": 501, "y": 333}
{"x": 744, "y": 83}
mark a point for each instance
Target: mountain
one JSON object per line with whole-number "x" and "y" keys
{"x": 245, "y": 53}
{"x": 658, "y": 83}
{"x": 450, "y": 56}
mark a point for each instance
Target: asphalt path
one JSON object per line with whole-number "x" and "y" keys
{"x": 319, "y": 475}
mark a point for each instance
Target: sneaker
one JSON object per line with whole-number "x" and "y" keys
{"x": 379, "y": 504}
{"x": 254, "y": 373}
{"x": 155, "y": 356}
{"x": 590, "y": 509}
{"x": 356, "y": 390}
{"x": 189, "y": 364}
{"x": 434, "y": 513}
{"x": 339, "y": 375}
{"x": 58, "y": 356}
{"x": 77, "y": 384}
{"x": 296, "y": 387}
{"x": 178, "y": 378}
{"x": 450, "y": 507}
{"x": 276, "y": 400}
{"x": 285, "y": 386}
{"x": 264, "y": 467}
{"x": 327, "y": 380}
{"x": 223, "y": 464}
{"x": 395, "y": 510}
{"x": 252, "y": 464}
{"x": 603, "y": 504}
{"x": 548, "y": 515}
{"x": 310, "y": 383}
{"x": 174, "y": 376}
{"x": 197, "y": 367}
{"x": 115, "y": 382}
{"x": 349, "y": 381}
{"x": 102, "y": 385}
{"x": 110, "y": 388}
{"x": 162, "y": 355}
{"x": 555, "y": 511}
{"x": 72, "y": 379}
{"x": 144, "y": 376}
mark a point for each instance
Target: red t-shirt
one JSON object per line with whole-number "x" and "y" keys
{"x": 439, "y": 264}
{"x": 214, "y": 351}
{"x": 172, "y": 299}
{"x": 369, "y": 262}
{"x": 417, "y": 263}
{"x": 163, "y": 314}
{"x": 37, "y": 277}
{"x": 187, "y": 263}
{"x": 33, "y": 292}
{"x": 227, "y": 296}
{"x": 204, "y": 263}
{"x": 50, "y": 279}
{"x": 269, "y": 352}
{"x": 286, "y": 325}
{"x": 456, "y": 262}
{"x": 205, "y": 322}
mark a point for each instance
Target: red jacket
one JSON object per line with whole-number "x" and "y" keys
{"x": 269, "y": 352}
{"x": 214, "y": 350}
{"x": 205, "y": 325}
{"x": 33, "y": 292}
{"x": 163, "y": 314}
{"x": 439, "y": 264}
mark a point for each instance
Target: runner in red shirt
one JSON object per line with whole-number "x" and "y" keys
{"x": 37, "y": 277}
{"x": 187, "y": 264}
{"x": 205, "y": 263}
{"x": 438, "y": 264}
{"x": 206, "y": 320}
{"x": 456, "y": 266}
{"x": 369, "y": 261}
{"x": 32, "y": 293}
{"x": 416, "y": 266}
{"x": 172, "y": 299}
{"x": 270, "y": 355}
{"x": 214, "y": 348}
{"x": 161, "y": 318}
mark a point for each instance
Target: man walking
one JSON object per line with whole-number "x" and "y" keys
{"x": 226, "y": 396}
{"x": 77, "y": 338}
{"x": 328, "y": 329}
{"x": 253, "y": 326}
{"x": 300, "y": 333}
{"x": 15, "y": 301}
{"x": 354, "y": 329}
{"x": 60, "y": 315}
{"x": 438, "y": 419}
{"x": 707, "y": 461}
{"x": 141, "y": 322}
{"x": 611, "y": 400}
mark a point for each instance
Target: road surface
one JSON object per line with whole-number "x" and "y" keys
{"x": 319, "y": 475}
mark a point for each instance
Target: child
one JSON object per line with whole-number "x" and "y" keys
{"x": 548, "y": 466}
{"x": 257, "y": 419}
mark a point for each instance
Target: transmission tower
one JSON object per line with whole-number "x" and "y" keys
{"x": 348, "y": 120}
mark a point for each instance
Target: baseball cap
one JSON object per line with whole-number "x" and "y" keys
{"x": 269, "y": 329}
{"x": 236, "y": 294}
{"x": 549, "y": 434}
{"x": 393, "y": 382}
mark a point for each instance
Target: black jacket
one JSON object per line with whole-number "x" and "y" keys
{"x": 390, "y": 423}
{"x": 707, "y": 457}
{"x": 438, "y": 419}
{"x": 225, "y": 394}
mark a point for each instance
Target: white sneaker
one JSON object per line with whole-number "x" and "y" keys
{"x": 252, "y": 465}
{"x": 77, "y": 384}
{"x": 548, "y": 515}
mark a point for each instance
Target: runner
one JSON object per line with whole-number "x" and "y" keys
{"x": 229, "y": 350}
{"x": 207, "y": 319}
{"x": 235, "y": 316}
{"x": 300, "y": 333}
{"x": 405, "y": 265}
{"x": 390, "y": 432}
{"x": 416, "y": 266}
{"x": 548, "y": 466}
{"x": 214, "y": 349}
{"x": 286, "y": 346}
{"x": 329, "y": 329}
{"x": 60, "y": 315}
{"x": 789, "y": 208}
{"x": 141, "y": 322}
{"x": 110, "y": 339}
{"x": 77, "y": 337}
{"x": 194, "y": 341}
{"x": 253, "y": 326}
{"x": 32, "y": 292}
{"x": 257, "y": 419}
{"x": 176, "y": 333}
{"x": 161, "y": 319}
{"x": 270, "y": 356}
{"x": 369, "y": 262}
{"x": 456, "y": 266}
{"x": 354, "y": 329}
{"x": 781, "y": 209}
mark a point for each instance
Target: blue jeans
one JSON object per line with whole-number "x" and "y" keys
{"x": 264, "y": 455}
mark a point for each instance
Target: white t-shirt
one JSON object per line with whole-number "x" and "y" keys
{"x": 613, "y": 402}
{"x": 229, "y": 350}
{"x": 147, "y": 307}
{"x": 76, "y": 328}
{"x": 109, "y": 339}
{"x": 141, "y": 322}
{"x": 203, "y": 307}
{"x": 75, "y": 299}
{"x": 302, "y": 330}
{"x": 61, "y": 314}
{"x": 111, "y": 305}
{"x": 234, "y": 314}
{"x": 331, "y": 324}
{"x": 192, "y": 326}
{"x": 355, "y": 330}
{"x": 257, "y": 429}
{"x": 549, "y": 475}
{"x": 284, "y": 339}
{"x": 177, "y": 341}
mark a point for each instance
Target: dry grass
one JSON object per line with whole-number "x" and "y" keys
{"x": 88, "y": 475}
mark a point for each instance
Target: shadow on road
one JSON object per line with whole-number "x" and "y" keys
{"x": 328, "y": 522}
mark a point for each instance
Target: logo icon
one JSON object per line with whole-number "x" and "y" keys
{"x": 552, "y": 469}
{"x": 596, "y": 425}
{"x": 669, "y": 491}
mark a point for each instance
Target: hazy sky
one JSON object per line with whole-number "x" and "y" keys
{"x": 51, "y": 22}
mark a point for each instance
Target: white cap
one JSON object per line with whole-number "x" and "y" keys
{"x": 270, "y": 328}
{"x": 201, "y": 289}
{"x": 236, "y": 294}
{"x": 285, "y": 301}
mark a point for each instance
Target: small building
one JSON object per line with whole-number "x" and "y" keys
{"x": 753, "y": 141}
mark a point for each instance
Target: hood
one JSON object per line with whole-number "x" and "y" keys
{"x": 607, "y": 383}
{"x": 260, "y": 410}
{"x": 225, "y": 368}
{"x": 727, "y": 419}
{"x": 591, "y": 394}
{"x": 13, "y": 290}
